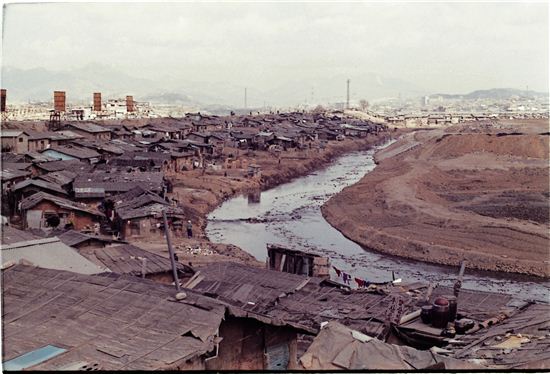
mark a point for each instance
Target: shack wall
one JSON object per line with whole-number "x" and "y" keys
{"x": 145, "y": 227}
{"x": 242, "y": 347}
{"x": 19, "y": 144}
{"x": 80, "y": 220}
{"x": 246, "y": 342}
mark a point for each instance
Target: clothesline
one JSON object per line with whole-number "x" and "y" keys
{"x": 361, "y": 283}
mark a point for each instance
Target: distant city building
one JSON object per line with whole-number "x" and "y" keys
{"x": 426, "y": 100}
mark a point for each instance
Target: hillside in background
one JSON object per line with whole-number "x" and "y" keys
{"x": 494, "y": 93}
{"x": 38, "y": 84}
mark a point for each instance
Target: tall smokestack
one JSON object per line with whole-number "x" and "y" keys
{"x": 3, "y": 100}
{"x": 59, "y": 101}
{"x": 97, "y": 101}
{"x": 129, "y": 104}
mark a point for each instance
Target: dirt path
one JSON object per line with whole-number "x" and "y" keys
{"x": 443, "y": 196}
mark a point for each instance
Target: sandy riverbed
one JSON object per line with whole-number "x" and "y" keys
{"x": 468, "y": 192}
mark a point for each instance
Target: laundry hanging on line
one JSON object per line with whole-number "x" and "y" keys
{"x": 361, "y": 283}
{"x": 346, "y": 278}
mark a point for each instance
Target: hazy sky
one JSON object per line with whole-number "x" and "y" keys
{"x": 452, "y": 47}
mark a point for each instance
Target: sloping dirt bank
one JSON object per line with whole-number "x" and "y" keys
{"x": 442, "y": 196}
{"x": 199, "y": 194}
{"x": 202, "y": 194}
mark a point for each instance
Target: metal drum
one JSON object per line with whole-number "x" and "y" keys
{"x": 426, "y": 314}
{"x": 440, "y": 312}
{"x": 452, "y": 307}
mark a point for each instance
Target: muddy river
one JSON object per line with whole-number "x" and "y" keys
{"x": 290, "y": 215}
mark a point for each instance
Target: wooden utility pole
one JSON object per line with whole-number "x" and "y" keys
{"x": 458, "y": 283}
{"x": 170, "y": 251}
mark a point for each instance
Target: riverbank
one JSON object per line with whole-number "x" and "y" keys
{"x": 469, "y": 192}
{"x": 199, "y": 194}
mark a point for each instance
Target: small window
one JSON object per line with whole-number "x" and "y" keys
{"x": 51, "y": 219}
{"x": 20, "y": 140}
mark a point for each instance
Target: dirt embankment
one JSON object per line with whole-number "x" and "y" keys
{"x": 444, "y": 196}
{"x": 199, "y": 193}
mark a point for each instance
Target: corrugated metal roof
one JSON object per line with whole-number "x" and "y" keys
{"x": 89, "y": 192}
{"x": 77, "y": 152}
{"x": 73, "y": 238}
{"x": 40, "y": 184}
{"x": 10, "y": 133}
{"x": 73, "y": 165}
{"x": 114, "y": 182}
{"x": 12, "y": 235}
{"x": 128, "y": 259}
{"x": 34, "y": 199}
{"x": 49, "y": 253}
{"x": 293, "y": 300}
{"x": 88, "y": 127}
{"x": 9, "y": 174}
{"x": 61, "y": 178}
{"x": 118, "y": 322}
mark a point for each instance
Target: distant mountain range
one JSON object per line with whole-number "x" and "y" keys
{"x": 38, "y": 85}
{"x": 495, "y": 93}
